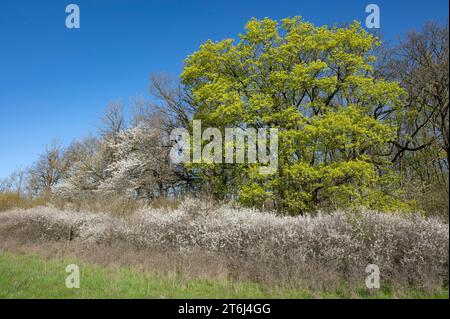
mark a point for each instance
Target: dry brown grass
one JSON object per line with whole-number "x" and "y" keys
{"x": 11, "y": 200}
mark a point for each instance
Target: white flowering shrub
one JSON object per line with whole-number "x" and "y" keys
{"x": 141, "y": 167}
{"x": 408, "y": 249}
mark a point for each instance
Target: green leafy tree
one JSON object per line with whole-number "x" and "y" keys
{"x": 316, "y": 85}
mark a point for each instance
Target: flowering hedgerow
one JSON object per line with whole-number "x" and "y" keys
{"x": 410, "y": 248}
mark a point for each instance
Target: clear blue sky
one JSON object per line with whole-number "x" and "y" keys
{"x": 55, "y": 82}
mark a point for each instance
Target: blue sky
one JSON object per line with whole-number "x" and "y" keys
{"x": 55, "y": 82}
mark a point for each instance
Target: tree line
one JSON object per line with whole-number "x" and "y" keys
{"x": 360, "y": 124}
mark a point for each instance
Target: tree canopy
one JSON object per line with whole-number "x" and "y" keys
{"x": 317, "y": 86}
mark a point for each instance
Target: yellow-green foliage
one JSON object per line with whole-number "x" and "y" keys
{"x": 11, "y": 200}
{"x": 316, "y": 85}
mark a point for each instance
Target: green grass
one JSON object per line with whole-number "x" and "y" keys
{"x": 24, "y": 276}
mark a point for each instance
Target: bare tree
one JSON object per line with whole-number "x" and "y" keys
{"x": 141, "y": 111}
{"x": 113, "y": 120}
{"x": 16, "y": 182}
{"x": 421, "y": 65}
{"x": 177, "y": 104}
{"x": 48, "y": 170}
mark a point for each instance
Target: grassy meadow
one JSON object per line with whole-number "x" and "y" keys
{"x": 31, "y": 276}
